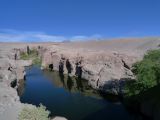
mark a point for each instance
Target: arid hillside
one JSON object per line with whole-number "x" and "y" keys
{"x": 127, "y": 44}
{"x": 130, "y": 45}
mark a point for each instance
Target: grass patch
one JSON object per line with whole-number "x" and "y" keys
{"x": 37, "y": 61}
{"x": 25, "y": 56}
{"x": 32, "y": 55}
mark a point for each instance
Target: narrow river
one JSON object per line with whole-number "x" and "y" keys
{"x": 69, "y": 97}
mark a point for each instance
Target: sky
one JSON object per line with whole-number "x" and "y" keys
{"x": 60, "y": 20}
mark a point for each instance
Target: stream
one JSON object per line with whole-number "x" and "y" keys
{"x": 69, "y": 97}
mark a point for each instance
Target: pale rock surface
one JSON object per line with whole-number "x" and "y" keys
{"x": 10, "y": 71}
{"x": 99, "y": 68}
{"x": 59, "y": 118}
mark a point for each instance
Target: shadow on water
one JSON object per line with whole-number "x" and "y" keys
{"x": 69, "y": 97}
{"x": 62, "y": 79}
{"x": 146, "y": 103}
{"x": 79, "y": 84}
{"x": 69, "y": 83}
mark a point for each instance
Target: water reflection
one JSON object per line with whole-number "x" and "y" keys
{"x": 79, "y": 84}
{"x": 62, "y": 79}
{"x": 69, "y": 83}
{"x": 72, "y": 84}
{"x": 75, "y": 84}
{"x": 67, "y": 96}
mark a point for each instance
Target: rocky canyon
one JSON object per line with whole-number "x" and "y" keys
{"x": 106, "y": 65}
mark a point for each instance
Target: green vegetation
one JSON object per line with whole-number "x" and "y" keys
{"x": 37, "y": 61}
{"x": 147, "y": 73}
{"x": 35, "y": 113}
{"x": 31, "y": 55}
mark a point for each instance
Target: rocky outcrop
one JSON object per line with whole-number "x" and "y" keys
{"x": 104, "y": 70}
{"x": 11, "y": 71}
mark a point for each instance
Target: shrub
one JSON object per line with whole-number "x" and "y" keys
{"x": 24, "y": 56}
{"x": 35, "y": 113}
{"x": 147, "y": 73}
{"x": 37, "y": 61}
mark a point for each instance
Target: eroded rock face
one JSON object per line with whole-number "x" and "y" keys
{"x": 105, "y": 71}
{"x": 11, "y": 71}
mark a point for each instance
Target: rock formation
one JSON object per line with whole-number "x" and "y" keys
{"x": 103, "y": 70}
{"x": 11, "y": 71}
{"x": 105, "y": 64}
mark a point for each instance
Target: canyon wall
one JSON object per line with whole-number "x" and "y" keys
{"x": 105, "y": 64}
{"x": 105, "y": 71}
{"x": 11, "y": 71}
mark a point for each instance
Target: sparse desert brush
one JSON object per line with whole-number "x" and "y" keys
{"x": 34, "y": 113}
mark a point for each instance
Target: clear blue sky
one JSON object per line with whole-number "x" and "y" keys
{"x": 60, "y": 19}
